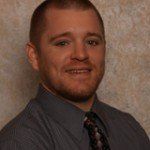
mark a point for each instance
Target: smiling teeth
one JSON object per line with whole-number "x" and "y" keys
{"x": 78, "y": 71}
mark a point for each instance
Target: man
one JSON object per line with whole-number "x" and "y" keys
{"x": 67, "y": 48}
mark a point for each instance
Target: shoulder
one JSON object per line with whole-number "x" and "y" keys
{"x": 28, "y": 128}
{"x": 125, "y": 121}
{"x": 121, "y": 116}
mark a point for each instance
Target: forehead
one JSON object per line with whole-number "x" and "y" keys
{"x": 61, "y": 20}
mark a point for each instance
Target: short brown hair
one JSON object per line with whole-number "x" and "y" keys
{"x": 38, "y": 18}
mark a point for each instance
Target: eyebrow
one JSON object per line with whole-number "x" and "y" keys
{"x": 54, "y": 37}
{"x": 94, "y": 34}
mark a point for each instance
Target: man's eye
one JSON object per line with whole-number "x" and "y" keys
{"x": 62, "y": 43}
{"x": 92, "y": 42}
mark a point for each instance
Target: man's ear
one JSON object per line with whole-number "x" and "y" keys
{"x": 32, "y": 55}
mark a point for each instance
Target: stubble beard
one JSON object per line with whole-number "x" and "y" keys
{"x": 74, "y": 94}
{"x": 79, "y": 94}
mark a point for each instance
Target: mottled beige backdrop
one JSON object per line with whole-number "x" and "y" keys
{"x": 126, "y": 84}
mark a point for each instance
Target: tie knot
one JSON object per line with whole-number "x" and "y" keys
{"x": 90, "y": 116}
{"x": 89, "y": 121}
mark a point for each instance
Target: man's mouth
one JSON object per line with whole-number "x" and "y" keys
{"x": 79, "y": 71}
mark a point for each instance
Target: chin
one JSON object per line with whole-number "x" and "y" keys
{"x": 77, "y": 94}
{"x": 77, "y": 97}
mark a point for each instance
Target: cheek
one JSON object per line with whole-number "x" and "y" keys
{"x": 54, "y": 63}
{"x": 97, "y": 58}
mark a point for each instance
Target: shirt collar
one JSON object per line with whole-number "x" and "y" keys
{"x": 66, "y": 114}
{"x": 99, "y": 108}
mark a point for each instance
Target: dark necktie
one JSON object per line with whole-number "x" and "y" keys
{"x": 98, "y": 140}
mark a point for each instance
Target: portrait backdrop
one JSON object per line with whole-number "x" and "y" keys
{"x": 126, "y": 84}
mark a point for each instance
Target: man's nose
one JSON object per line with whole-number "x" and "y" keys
{"x": 79, "y": 52}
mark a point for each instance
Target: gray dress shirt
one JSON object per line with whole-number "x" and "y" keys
{"x": 50, "y": 123}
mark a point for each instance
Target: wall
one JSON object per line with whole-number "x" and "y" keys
{"x": 126, "y": 84}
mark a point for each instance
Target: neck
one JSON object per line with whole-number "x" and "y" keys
{"x": 85, "y": 106}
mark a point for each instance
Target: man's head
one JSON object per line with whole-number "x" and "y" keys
{"x": 67, "y": 48}
{"x": 38, "y": 21}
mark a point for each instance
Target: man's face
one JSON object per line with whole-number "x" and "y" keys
{"x": 72, "y": 51}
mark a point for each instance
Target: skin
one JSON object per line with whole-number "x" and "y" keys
{"x": 71, "y": 61}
